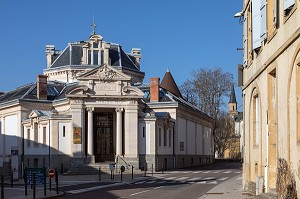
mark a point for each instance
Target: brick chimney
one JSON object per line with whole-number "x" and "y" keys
{"x": 41, "y": 84}
{"x": 154, "y": 89}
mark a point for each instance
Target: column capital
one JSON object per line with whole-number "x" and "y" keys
{"x": 90, "y": 109}
{"x": 119, "y": 109}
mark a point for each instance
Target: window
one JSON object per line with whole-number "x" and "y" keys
{"x": 44, "y": 136}
{"x": 89, "y": 57}
{"x": 170, "y": 138}
{"x": 256, "y": 119}
{"x": 95, "y": 45}
{"x": 165, "y": 137}
{"x": 144, "y": 132}
{"x": 64, "y": 131}
{"x": 95, "y": 56}
{"x": 36, "y": 135}
{"x": 159, "y": 136}
{"x": 28, "y": 137}
{"x": 181, "y": 146}
{"x": 102, "y": 56}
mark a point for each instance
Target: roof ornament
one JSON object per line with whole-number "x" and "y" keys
{"x": 93, "y": 26}
{"x": 168, "y": 70}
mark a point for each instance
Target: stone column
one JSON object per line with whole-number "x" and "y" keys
{"x": 90, "y": 143}
{"x": 119, "y": 131}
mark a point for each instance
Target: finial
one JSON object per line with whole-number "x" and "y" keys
{"x": 93, "y": 26}
{"x": 168, "y": 70}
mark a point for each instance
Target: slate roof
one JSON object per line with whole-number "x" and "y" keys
{"x": 28, "y": 92}
{"x": 169, "y": 84}
{"x": 64, "y": 58}
{"x": 232, "y": 96}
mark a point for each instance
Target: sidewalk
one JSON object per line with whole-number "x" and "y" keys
{"x": 231, "y": 188}
{"x": 67, "y": 183}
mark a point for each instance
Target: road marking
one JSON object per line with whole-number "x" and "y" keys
{"x": 240, "y": 178}
{"x": 139, "y": 193}
{"x": 159, "y": 187}
{"x": 215, "y": 172}
{"x": 196, "y": 171}
{"x": 182, "y": 179}
{"x": 224, "y": 178}
{"x": 208, "y": 178}
{"x": 213, "y": 182}
{"x": 141, "y": 182}
{"x": 186, "y": 172}
{"x": 201, "y": 182}
{"x": 170, "y": 178}
{"x": 227, "y": 172}
{"x": 206, "y": 171}
{"x": 238, "y": 172}
{"x": 150, "y": 182}
{"x": 161, "y": 182}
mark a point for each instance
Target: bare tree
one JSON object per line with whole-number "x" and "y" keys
{"x": 224, "y": 135}
{"x": 208, "y": 88}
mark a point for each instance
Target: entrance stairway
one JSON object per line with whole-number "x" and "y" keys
{"x": 93, "y": 168}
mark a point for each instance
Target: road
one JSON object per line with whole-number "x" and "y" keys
{"x": 192, "y": 183}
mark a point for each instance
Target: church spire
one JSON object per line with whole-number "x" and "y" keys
{"x": 93, "y": 27}
{"x": 232, "y": 105}
{"x": 232, "y": 95}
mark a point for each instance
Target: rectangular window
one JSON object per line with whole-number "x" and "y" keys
{"x": 64, "y": 131}
{"x": 44, "y": 136}
{"x": 95, "y": 45}
{"x": 95, "y": 56}
{"x": 28, "y": 137}
{"x": 159, "y": 136}
{"x": 170, "y": 138}
{"x": 89, "y": 57}
{"x": 181, "y": 146}
{"x": 102, "y": 57}
{"x": 143, "y": 132}
{"x": 165, "y": 137}
{"x": 36, "y": 135}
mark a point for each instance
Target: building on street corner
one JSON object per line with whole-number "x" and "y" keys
{"x": 271, "y": 88}
{"x": 91, "y": 105}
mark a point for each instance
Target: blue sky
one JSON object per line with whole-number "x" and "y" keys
{"x": 181, "y": 35}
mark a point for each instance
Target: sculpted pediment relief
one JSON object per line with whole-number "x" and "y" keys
{"x": 104, "y": 73}
{"x": 130, "y": 90}
{"x": 80, "y": 90}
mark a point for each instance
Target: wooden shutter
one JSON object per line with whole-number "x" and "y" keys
{"x": 263, "y": 19}
{"x": 245, "y": 33}
{"x": 256, "y": 24}
{"x": 288, "y": 3}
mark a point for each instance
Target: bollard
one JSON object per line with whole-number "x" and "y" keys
{"x": 99, "y": 173}
{"x": 61, "y": 168}
{"x": 2, "y": 186}
{"x": 12, "y": 179}
{"x": 34, "y": 185}
{"x": 121, "y": 176}
{"x": 26, "y": 181}
{"x": 56, "y": 180}
{"x": 152, "y": 169}
{"x": 50, "y": 184}
{"x": 145, "y": 170}
{"x": 162, "y": 167}
{"x": 131, "y": 172}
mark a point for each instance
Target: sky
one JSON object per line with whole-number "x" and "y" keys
{"x": 180, "y": 35}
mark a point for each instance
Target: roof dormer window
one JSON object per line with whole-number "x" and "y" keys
{"x": 95, "y": 54}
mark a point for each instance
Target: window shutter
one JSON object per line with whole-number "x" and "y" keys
{"x": 245, "y": 31}
{"x": 288, "y": 3}
{"x": 256, "y": 24}
{"x": 263, "y": 20}
{"x": 275, "y": 14}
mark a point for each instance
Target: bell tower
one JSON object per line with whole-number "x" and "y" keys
{"x": 232, "y": 105}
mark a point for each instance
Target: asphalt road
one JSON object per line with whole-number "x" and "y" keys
{"x": 189, "y": 184}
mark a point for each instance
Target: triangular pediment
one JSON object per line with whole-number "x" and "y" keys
{"x": 104, "y": 73}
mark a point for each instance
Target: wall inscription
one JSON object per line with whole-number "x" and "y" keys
{"x": 105, "y": 87}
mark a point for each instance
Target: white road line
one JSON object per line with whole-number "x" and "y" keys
{"x": 215, "y": 172}
{"x": 170, "y": 178}
{"x": 150, "y": 182}
{"x": 186, "y": 172}
{"x": 139, "y": 193}
{"x": 240, "y": 178}
{"x": 238, "y": 172}
{"x": 160, "y": 182}
{"x": 208, "y": 178}
{"x": 182, "y": 179}
{"x": 201, "y": 182}
{"x": 141, "y": 182}
{"x": 227, "y": 172}
{"x": 224, "y": 178}
{"x": 159, "y": 187}
{"x": 196, "y": 171}
{"x": 213, "y": 182}
{"x": 206, "y": 171}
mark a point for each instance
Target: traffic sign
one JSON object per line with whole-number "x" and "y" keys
{"x": 51, "y": 173}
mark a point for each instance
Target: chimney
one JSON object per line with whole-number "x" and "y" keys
{"x": 154, "y": 89}
{"x": 50, "y": 51}
{"x": 41, "y": 84}
{"x": 136, "y": 52}
{"x": 1, "y": 93}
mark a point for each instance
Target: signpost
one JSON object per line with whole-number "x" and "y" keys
{"x": 35, "y": 176}
{"x": 51, "y": 174}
